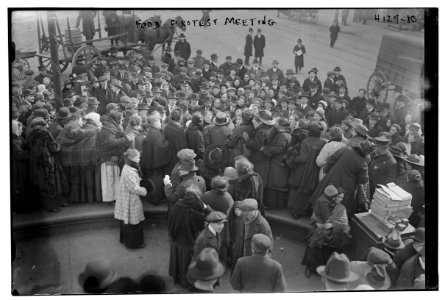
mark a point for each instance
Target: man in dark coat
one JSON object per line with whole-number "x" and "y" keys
{"x": 304, "y": 176}
{"x": 259, "y": 44}
{"x": 258, "y": 273}
{"x": 248, "y": 46}
{"x": 210, "y": 235}
{"x": 183, "y": 47}
{"x": 279, "y": 141}
{"x": 337, "y": 113}
{"x": 103, "y": 94}
{"x": 346, "y": 168}
{"x": 88, "y": 23}
{"x": 175, "y": 135}
{"x": 312, "y": 77}
{"x": 411, "y": 270}
{"x": 315, "y": 97}
{"x": 330, "y": 82}
{"x": 298, "y": 51}
{"x": 235, "y": 142}
{"x": 382, "y": 167}
{"x": 334, "y": 32}
{"x": 263, "y": 124}
{"x": 155, "y": 157}
{"x": 357, "y": 106}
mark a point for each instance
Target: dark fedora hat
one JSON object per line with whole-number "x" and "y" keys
{"x": 416, "y": 160}
{"x": 338, "y": 269}
{"x": 398, "y": 150}
{"x": 206, "y": 266}
{"x": 221, "y": 119}
{"x": 393, "y": 240}
{"x": 216, "y": 156}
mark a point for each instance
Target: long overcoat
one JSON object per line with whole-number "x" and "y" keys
{"x": 248, "y": 45}
{"x": 276, "y": 150}
{"x": 177, "y": 140}
{"x": 346, "y": 168}
{"x": 257, "y": 157}
{"x": 259, "y": 44}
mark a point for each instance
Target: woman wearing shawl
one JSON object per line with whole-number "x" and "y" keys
{"x": 329, "y": 229}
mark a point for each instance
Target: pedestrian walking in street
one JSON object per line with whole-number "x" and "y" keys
{"x": 259, "y": 44}
{"x": 299, "y": 50}
{"x": 248, "y": 46}
{"x": 334, "y": 31}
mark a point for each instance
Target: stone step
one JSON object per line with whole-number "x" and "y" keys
{"x": 89, "y": 213}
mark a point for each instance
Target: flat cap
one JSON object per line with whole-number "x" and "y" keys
{"x": 216, "y": 217}
{"x": 261, "y": 241}
{"x": 330, "y": 191}
{"x": 249, "y": 204}
{"x": 186, "y": 154}
{"x": 378, "y": 257}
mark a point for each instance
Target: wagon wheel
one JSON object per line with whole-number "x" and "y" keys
{"x": 87, "y": 54}
{"x": 46, "y": 62}
{"x": 377, "y": 86}
{"x": 19, "y": 66}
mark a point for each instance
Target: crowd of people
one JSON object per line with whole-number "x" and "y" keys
{"x": 221, "y": 144}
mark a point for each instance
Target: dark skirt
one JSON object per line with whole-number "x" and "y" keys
{"x": 299, "y": 202}
{"x": 298, "y": 61}
{"x": 132, "y": 236}
{"x": 84, "y": 183}
{"x": 317, "y": 256}
{"x": 180, "y": 259}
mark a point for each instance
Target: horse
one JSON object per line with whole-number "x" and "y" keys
{"x": 156, "y": 19}
{"x": 163, "y": 35}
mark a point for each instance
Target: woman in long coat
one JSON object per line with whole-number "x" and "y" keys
{"x": 129, "y": 208}
{"x": 111, "y": 144}
{"x": 184, "y": 225}
{"x": 79, "y": 157}
{"x": 235, "y": 141}
{"x": 346, "y": 168}
{"x": 46, "y": 175}
{"x": 276, "y": 186}
{"x": 305, "y": 176}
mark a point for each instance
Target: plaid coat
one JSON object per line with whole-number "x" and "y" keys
{"x": 78, "y": 145}
{"x": 128, "y": 207}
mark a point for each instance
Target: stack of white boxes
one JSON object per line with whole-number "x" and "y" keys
{"x": 390, "y": 204}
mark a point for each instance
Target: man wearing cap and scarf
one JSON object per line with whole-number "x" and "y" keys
{"x": 210, "y": 235}
{"x": 254, "y": 223}
{"x": 258, "y": 273}
{"x": 382, "y": 167}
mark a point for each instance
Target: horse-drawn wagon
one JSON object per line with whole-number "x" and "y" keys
{"x": 72, "y": 49}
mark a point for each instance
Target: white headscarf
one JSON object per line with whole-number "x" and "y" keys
{"x": 95, "y": 118}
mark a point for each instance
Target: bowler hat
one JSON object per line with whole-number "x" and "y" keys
{"x": 337, "y": 69}
{"x": 314, "y": 70}
{"x": 216, "y": 217}
{"x": 194, "y": 97}
{"x": 275, "y": 62}
{"x": 248, "y": 204}
{"x": 261, "y": 241}
{"x": 181, "y": 35}
{"x": 338, "y": 269}
{"x": 216, "y": 156}
{"x": 206, "y": 266}
{"x": 393, "y": 240}
{"x": 304, "y": 94}
{"x": 221, "y": 119}
{"x": 289, "y": 72}
{"x": 214, "y": 56}
{"x": 101, "y": 270}
{"x": 228, "y": 57}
